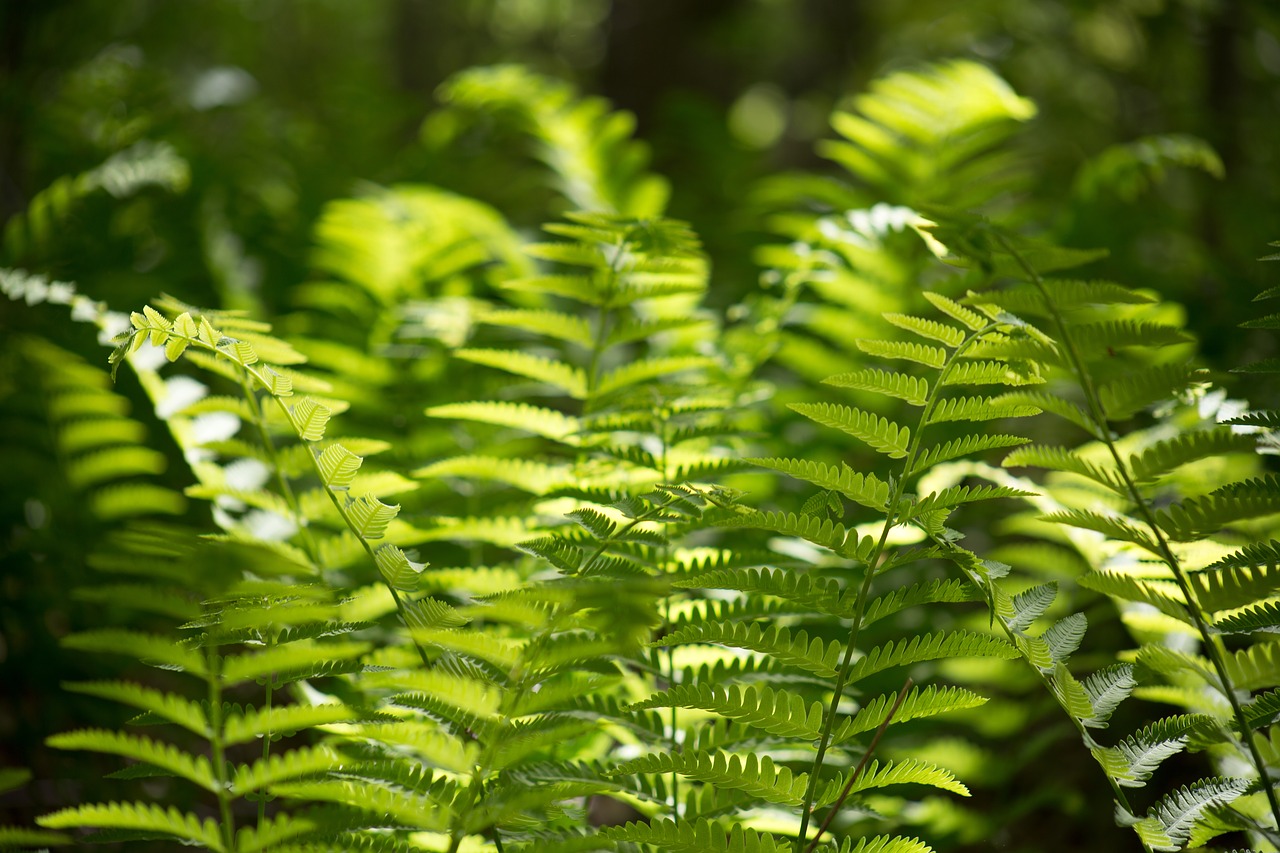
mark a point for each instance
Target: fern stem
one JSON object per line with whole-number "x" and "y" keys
{"x": 218, "y": 751}
{"x": 857, "y": 771}
{"x": 266, "y": 736}
{"x": 864, "y": 591}
{"x": 282, "y": 482}
{"x": 1213, "y": 648}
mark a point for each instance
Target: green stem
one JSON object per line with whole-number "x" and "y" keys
{"x": 216, "y": 730}
{"x": 860, "y": 603}
{"x": 1213, "y": 648}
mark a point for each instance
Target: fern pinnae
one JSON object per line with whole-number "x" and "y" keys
{"x": 1212, "y": 643}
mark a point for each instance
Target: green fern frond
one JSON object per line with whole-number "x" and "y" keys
{"x": 166, "y": 706}
{"x": 1238, "y": 579}
{"x": 291, "y": 659}
{"x": 553, "y": 324}
{"x": 918, "y": 704}
{"x": 1107, "y": 688}
{"x": 140, "y": 817}
{"x": 773, "y": 710}
{"x": 903, "y": 386}
{"x": 928, "y": 592}
{"x": 929, "y": 356}
{"x": 1162, "y": 457}
{"x": 805, "y": 591}
{"x": 948, "y": 336}
{"x": 1065, "y": 293}
{"x": 167, "y": 757}
{"x": 793, "y": 648}
{"x": 695, "y": 836}
{"x": 957, "y": 644}
{"x": 879, "y": 433}
{"x": 1115, "y": 526}
{"x": 979, "y": 409}
{"x": 284, "y": 720}
{"x": 865, "y": 489}
{"x": 1132, "y": 761}
{"x": 992, "y": 373}
{"x": 1135, "y": 390}
{"x": 1067, "y": 461}
{"x": 1169, "y": 822}
{"x": 1254, "y": 668}
{"x": 963, "y": 446}
{"x": 955, "y": 496}
{"x": 1059, "y": 406}
{"x": 155, "y": 649}
{"x": 282, "y": 767}
{"x": 907, "y": 772}
{"x": 523, "y": 416}
{"x": 1192, "y": 518}
{"x": 1264, "y": 616}
{"x": 1162, "y": 595}
{"x": 571, "y": 380}
{"x": 756, "y": 775}
{"x": 811, "y": 528}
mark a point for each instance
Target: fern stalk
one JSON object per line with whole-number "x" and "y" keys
{"x": 1212, "y": 644}
{"x": 857, "y": 771}
{"x": 218, "y": 751}
{"x": 864, "y": 591}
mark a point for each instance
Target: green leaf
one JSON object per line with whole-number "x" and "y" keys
{"x": 369, "y": 516}
{"x": 924, "y": 647}
{"x": 1136, "y": 389}
{"x": 992, "y": 373}
{"x": 903, "y": 386}
{"x": 166, "y": 706}
{"x": 338, "y": 466}
{"x": 1196, "y": 517}
{"x": 920, "y": 353}
{"x": 864, "y": 489}
{"x": 756, "y": 776}
{"x": 1164, "y": 456}
{"x": 1067, "y": 461}
{"x": 1134, "y": 759}
{"x": 949, "y": 336}
{"x": 142, "y": 817}
{"x": 972, "y": 319}
{"x": 309, "y": 418}
{"x": 1170, "y": 821}
{"x": 649, "y": 368}
{"x": 571, "y": 380}
{"x": 552, "y": 324}
{"x": 792, "y": 648}
{"x": 398, "y": 570}
{"x": 533, "y": 419}
{"x": 170, "y": 758}
{"x": 879, "y": 433}
{"x": 963, "y": 446}
{"x": 980, "y": 409}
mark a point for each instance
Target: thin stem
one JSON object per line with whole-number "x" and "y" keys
{"x": 891, "y": 520}
{"x": 1213, "y": 648}
{"x": 857, "y": 771}
{"x": 216, "y": 726}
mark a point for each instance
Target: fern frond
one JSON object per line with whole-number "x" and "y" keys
{"x": 1195, "y": 517}
{"x": 979, "y": 409}
{"x": 1137, "y": 389}
{"x": 963, "y": 446}
{"x": 170, "y": 758}
{"x": 1067, "y": 461}
{"x": 1115, "y": 526}
{"x": 166, "y": 706}
{"x": 811, "y": 528}
{"x": 1065, "y": 293}
{"x": 918, "y": 704}
{"x": 1169, "y": 822}
{"x": 948, "y": 336}
{"x": 864, "y": 489}
{"x": 649, "y": 368}
{"x": 1238, "y": 579}
{"x": 913, "y": 389}
{"x": 553, "y": 324}
{"x": 696, "y": 836}
{"x": 1162, "y": 595}
{"x": 1166, "y": 455}
{"x": 1107, "y": 688}
{"x": 284, "y": 720}
{"x": 140, "y": 817}
{"x": 930, "y": 647}
{"x": 773, "y": 710}
{"x": 149, "y": 648}
{"x": 907, "y": 772}
{"x": 532, "y": 419}
{"x": 756, "y": 775}
{"x": 879, "y": 433}
{"x": 1063, "y": 408}
{"x": 793, "y": 648}
{"x": 929, "y": 356}
{"x": 935, "y": 591}
{"x": 806, "y": 591}
{"x": 571, "y": 380}
{"x": 1132, "y": 761}
{"x": 955, "y": 496}
{"x": 1264, "y": 616}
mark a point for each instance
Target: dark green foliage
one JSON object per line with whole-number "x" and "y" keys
{"x": 482, "y": 536}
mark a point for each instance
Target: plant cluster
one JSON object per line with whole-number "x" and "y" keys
{"x": 491, "y": 543}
